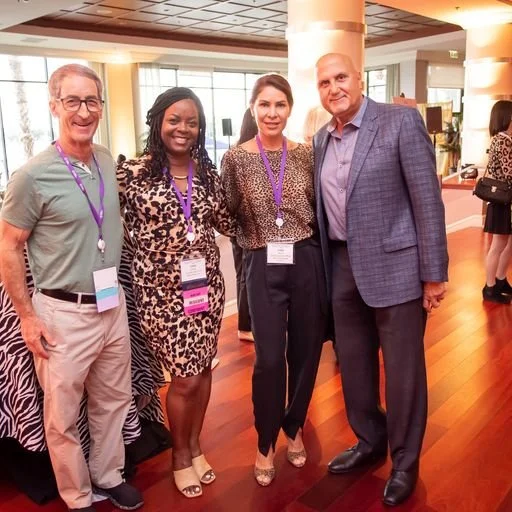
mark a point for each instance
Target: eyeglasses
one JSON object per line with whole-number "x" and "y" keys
{"x": 74, "y": 104}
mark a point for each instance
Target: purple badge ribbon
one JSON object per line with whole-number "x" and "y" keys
{"x": 185, "y": 205}
{"x": 277, "y": 187}
{"x": 97, "y": 214}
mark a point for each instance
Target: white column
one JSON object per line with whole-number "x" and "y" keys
{"x": 488, "y": 78}
{"x": 314, "y": 29}
{"x": 120, "y": 85}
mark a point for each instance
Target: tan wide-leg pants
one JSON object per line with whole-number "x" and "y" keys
{"x": 92, "y": 352}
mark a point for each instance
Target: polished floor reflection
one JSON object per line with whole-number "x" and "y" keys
{"x": 467, "y": 457}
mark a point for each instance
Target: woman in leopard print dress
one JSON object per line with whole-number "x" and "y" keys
{"x": 498, "y": 218}
{"x": 173, "y": 201}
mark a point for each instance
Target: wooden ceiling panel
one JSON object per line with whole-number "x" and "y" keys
{"x": 246, "y": 22}
{"x": 166, "y": 9}
{"x": 200, "y": 15}
{"x": 235, "y": 20}
{"x": 132, "y": 5}
{"x": 107, "y": 12}
{"x": 80, "y": 18}
{"x": 254, "y": 3}
{"x": 76, "y": 7}
{"x": 226, "y": 7}
{"x": 191, "y": 4}
{"x": 142, "y": 16}
{"x": 260, "y": 14}
{"x": 177, "y": 20}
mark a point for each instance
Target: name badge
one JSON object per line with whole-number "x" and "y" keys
{"x": 106, "y": 287}
{"x": 280, "y": 253}
{"x": 194, "y": 285}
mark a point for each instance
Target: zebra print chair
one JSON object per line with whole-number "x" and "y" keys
{"x": 21, "y": 398}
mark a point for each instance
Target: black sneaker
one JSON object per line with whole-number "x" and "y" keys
{"x": 123, "y": 496}
{"x": 503, "y": 286}
{"x": 491, "y": 294}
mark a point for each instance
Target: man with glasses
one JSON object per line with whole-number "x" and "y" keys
{"x": 63, "y": 204}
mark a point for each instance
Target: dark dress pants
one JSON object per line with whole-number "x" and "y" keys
{"x": 244, "y": 318}
{"x": 398, "y": 330}
{"x": 288, "y": 309}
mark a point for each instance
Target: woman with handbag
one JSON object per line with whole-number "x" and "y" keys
{"x": 498, "y": 218}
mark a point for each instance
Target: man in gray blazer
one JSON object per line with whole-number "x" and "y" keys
{"x": 381, "y": 221}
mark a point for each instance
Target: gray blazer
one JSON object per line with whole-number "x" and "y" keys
{"x": 395, "y": 215}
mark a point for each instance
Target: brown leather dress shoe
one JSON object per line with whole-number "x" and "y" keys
{"x": 400, "y": 486}
{"x": 354, "y": 458}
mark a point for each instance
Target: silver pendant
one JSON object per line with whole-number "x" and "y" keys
{"x": 101, "y": 245}
{"x": 279, "y": 222}
{"x": 191, "y": 236}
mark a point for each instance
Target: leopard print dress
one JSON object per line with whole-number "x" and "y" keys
{"x": 184, "y": 345}
{"x": 498, "y": 219}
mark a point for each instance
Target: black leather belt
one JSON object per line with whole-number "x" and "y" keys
{"x": 79, "y": 298}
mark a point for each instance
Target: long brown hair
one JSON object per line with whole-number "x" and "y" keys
{"x": 501, "y": 117}
{"x": 272, "y": 80}
{"x": 249, "y": 128}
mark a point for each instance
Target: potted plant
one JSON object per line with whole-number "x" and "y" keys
{"x": 451, "y": 145}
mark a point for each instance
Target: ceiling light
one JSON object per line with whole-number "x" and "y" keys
{"x": 120, "y": 58}
{"x": 103, "y": 11}
{"x": 454, "y": 54}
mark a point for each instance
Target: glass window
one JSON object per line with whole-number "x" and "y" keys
{"x": 377, "y": 93}
{"x": 29, "y": 129}
{"x": 439, "y": 95}
{"x": 377, "y": 77}
{"x": 26, "y": 125}
{"x": 148, "y": 96}
{"x": 250, "y": 79}
{"x": 229, "y": 104}
{"x": 23, "y": 69}
{"x": 167, "y": 77}
{"x": 194, "y": 78}
{"x": 205, "y": 96}
{"x": 228, "y": 80}
{"x": 375, "y": 84}
{"x": 224, "y": 95}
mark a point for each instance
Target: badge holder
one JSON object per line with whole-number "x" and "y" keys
{"x": 281, "y": 252}
{"x": 106, "y": 286}
{"x": 194, "y": 284}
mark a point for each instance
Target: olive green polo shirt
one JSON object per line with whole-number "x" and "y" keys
{"x": 43, "y": 198}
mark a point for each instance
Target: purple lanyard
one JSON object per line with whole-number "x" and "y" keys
{"x": 277, "y": 188}
{"x": 185, "y": 205}
{"x": 98, "y": 215}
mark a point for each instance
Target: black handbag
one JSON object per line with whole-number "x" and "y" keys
{"x": 493, "y": 191}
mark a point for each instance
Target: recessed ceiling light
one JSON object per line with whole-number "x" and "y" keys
{"x": 103, "y": 11}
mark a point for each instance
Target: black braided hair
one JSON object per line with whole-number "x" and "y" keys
{"x": 156, "y": 148}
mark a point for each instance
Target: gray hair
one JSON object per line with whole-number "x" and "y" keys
{"x": 55, "y": 82}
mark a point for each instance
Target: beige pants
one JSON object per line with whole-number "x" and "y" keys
{"x": 93, "y": 352}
